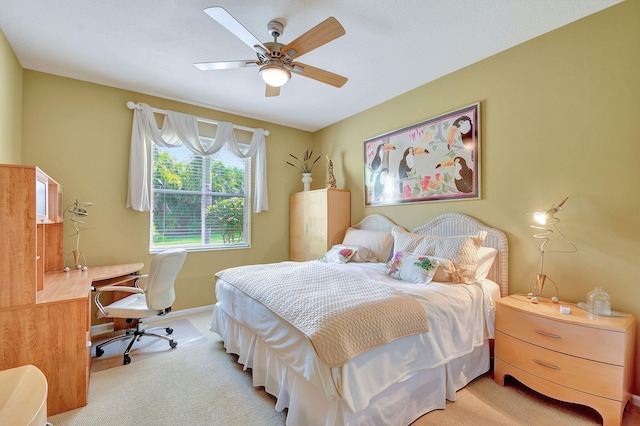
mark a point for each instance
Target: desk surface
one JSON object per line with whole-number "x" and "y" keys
{"x": 76, "y": 284}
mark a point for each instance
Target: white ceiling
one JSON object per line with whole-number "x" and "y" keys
{"x": 390, "y": 47}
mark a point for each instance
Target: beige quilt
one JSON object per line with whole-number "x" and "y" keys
{"x": 340, "y": 314}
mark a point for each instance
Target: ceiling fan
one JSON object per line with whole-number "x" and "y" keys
{"x": 276, "y": 60}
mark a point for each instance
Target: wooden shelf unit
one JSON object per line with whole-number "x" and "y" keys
{"x": 31, "y": 243}
{"x": 44, "y": 311}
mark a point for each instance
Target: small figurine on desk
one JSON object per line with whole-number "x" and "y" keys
{"x": 79, "y": 211}
{"x": 331, "y": 183}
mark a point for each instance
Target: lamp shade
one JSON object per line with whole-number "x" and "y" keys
{"x": 547, "y": 217}
{"x": 542, "y": 217}
{"x": 275, "y": 75}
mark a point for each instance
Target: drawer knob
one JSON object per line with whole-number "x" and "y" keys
{"x": 553, "y": 367}
{"x": 553, "y": 336}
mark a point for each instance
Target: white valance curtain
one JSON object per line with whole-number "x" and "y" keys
{"x": 182, "y": 129}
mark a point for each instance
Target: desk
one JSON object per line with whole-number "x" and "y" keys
{"x": 54, "y": 334}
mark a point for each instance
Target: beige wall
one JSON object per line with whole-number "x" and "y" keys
{"x": 79, "y": 133}
{"x": 10, "y": 105}
{"x": 560, "y": 117}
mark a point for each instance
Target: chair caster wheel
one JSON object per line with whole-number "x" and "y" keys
{"x": 169, "y": 330}
{"x": 173, "y": 343}
{"x": 99, "y": 352}
{"x": 126, "y": 360}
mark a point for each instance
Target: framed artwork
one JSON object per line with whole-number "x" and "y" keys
{"x": 435, "y": 160}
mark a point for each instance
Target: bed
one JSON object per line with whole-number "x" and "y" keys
{"x": 400, "y": 379}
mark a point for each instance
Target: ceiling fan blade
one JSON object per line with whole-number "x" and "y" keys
{"x": 272, "y": 91}
{"x": 323, "y": 33}
{"x": 236, "y": 28}
{"x": 224, "y": 65}
{"x": 319, "y": 74}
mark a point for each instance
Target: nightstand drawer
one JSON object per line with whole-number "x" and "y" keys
{"x": 596, "y": 378}
{"x": 581, "y": 341}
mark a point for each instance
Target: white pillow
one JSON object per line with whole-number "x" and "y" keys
{"x": 486, "y": 256}
{"x": 461, "y": 250}
{"x": 412, "y": 268}
{"x": 379, "y": 243}
{"x": 404, "y": 240}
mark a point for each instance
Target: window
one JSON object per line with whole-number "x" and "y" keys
{"x": 199, "y": 203}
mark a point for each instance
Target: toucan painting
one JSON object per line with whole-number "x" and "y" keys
{"x": 437, "y": 159}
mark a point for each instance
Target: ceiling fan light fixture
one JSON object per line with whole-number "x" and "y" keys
{"x": 275, "y": 75}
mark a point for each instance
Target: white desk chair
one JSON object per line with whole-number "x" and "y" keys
{"x": 154, "y": 298}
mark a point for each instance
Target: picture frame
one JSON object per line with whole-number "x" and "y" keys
{"x": 437, "y": 159}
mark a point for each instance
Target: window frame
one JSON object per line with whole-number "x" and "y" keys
{"x": 203, "y": 193}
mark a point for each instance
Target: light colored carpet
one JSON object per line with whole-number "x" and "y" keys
{"x": 197, "y": 385}
{"x": 183, "y": 332}
{"x": 203, "y": 385}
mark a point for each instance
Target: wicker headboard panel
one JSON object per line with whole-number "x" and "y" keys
{"x": 375, "y": 222}
{"x": 450, "y": 224}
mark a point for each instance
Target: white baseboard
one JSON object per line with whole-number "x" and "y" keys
{"x": 108, "y": 327}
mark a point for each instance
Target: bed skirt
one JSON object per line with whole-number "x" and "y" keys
{"x": 400, "y": 404}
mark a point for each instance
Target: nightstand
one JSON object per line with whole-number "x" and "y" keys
{"x": 580, "y": 358}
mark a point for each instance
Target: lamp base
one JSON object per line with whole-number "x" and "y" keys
{"x": 537, "y": 287}
{"x": 76, "y": 254}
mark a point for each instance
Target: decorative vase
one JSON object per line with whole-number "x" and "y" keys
{"x": 306, "y": 180}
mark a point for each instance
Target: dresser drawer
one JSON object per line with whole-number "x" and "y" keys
{"x": 596, "y": 378}
{"x": 577, "y": 340}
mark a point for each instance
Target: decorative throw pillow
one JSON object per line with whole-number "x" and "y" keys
{"x": 338, "y": 255}
{"x": 461, "y": 250}
{"x": 379, "y": 243}
{"x": 412, "y": 268}
{"x": 360, "y": 254}
{"x": 486, "y": 256}
{"x": 446, "y": 271}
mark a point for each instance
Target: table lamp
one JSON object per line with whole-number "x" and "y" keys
{"x": 78, "y": 211}
{"x": 545, "y": 223}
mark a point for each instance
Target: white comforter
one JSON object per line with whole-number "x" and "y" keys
{"x": 460, "y": 319}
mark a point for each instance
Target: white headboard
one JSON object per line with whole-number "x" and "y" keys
{"x": 375, "y": 222}
{"x": 450, "y": 224}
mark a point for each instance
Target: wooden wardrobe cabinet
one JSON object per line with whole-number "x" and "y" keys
{"x": 317, "y": 220}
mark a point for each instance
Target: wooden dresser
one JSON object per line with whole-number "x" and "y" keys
{"x": 317, "y": 220}
{"x": 580, "y": 358}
